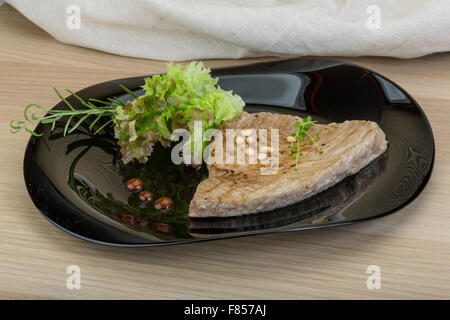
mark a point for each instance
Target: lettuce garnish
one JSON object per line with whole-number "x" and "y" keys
{"x": 171, "y": 101}
{"x": 175, "y": 100}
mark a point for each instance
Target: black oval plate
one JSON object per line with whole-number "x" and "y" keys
{"x": 76, "y": 181}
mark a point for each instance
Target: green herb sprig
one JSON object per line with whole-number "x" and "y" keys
{"x": 79, "y": 115}
{"x": 301, "y": 132}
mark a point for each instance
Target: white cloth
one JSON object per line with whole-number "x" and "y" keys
{"x": 200, "y": 29}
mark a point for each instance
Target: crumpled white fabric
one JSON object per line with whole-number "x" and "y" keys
{"x": 199, "y": 29}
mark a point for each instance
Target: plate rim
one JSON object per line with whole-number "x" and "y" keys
{"x": 27, "y": 159}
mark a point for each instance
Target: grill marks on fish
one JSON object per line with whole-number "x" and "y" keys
{"x": 233, "y": 189}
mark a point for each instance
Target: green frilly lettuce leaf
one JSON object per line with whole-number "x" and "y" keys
{"x": 171, "y": 101}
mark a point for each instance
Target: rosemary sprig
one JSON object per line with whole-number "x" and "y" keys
{"x": 53, "y": 116}
{"x": 301, "y": 132}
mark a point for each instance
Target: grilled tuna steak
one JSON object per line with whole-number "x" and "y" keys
{"x": 239, "y": 189}
{"x": 311, "y": 211}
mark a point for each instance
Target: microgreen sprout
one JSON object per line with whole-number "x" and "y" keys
{"x": 296, "y": 137}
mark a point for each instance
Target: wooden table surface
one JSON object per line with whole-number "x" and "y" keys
{"x": 411, "y": 247}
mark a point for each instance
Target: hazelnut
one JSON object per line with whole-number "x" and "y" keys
{"x": 134, "y": 185}
{"x": 145, "y": 195}
{"x": 163, "y": 203}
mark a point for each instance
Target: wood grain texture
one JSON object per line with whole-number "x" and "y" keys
{"x": 412, "y": 247}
